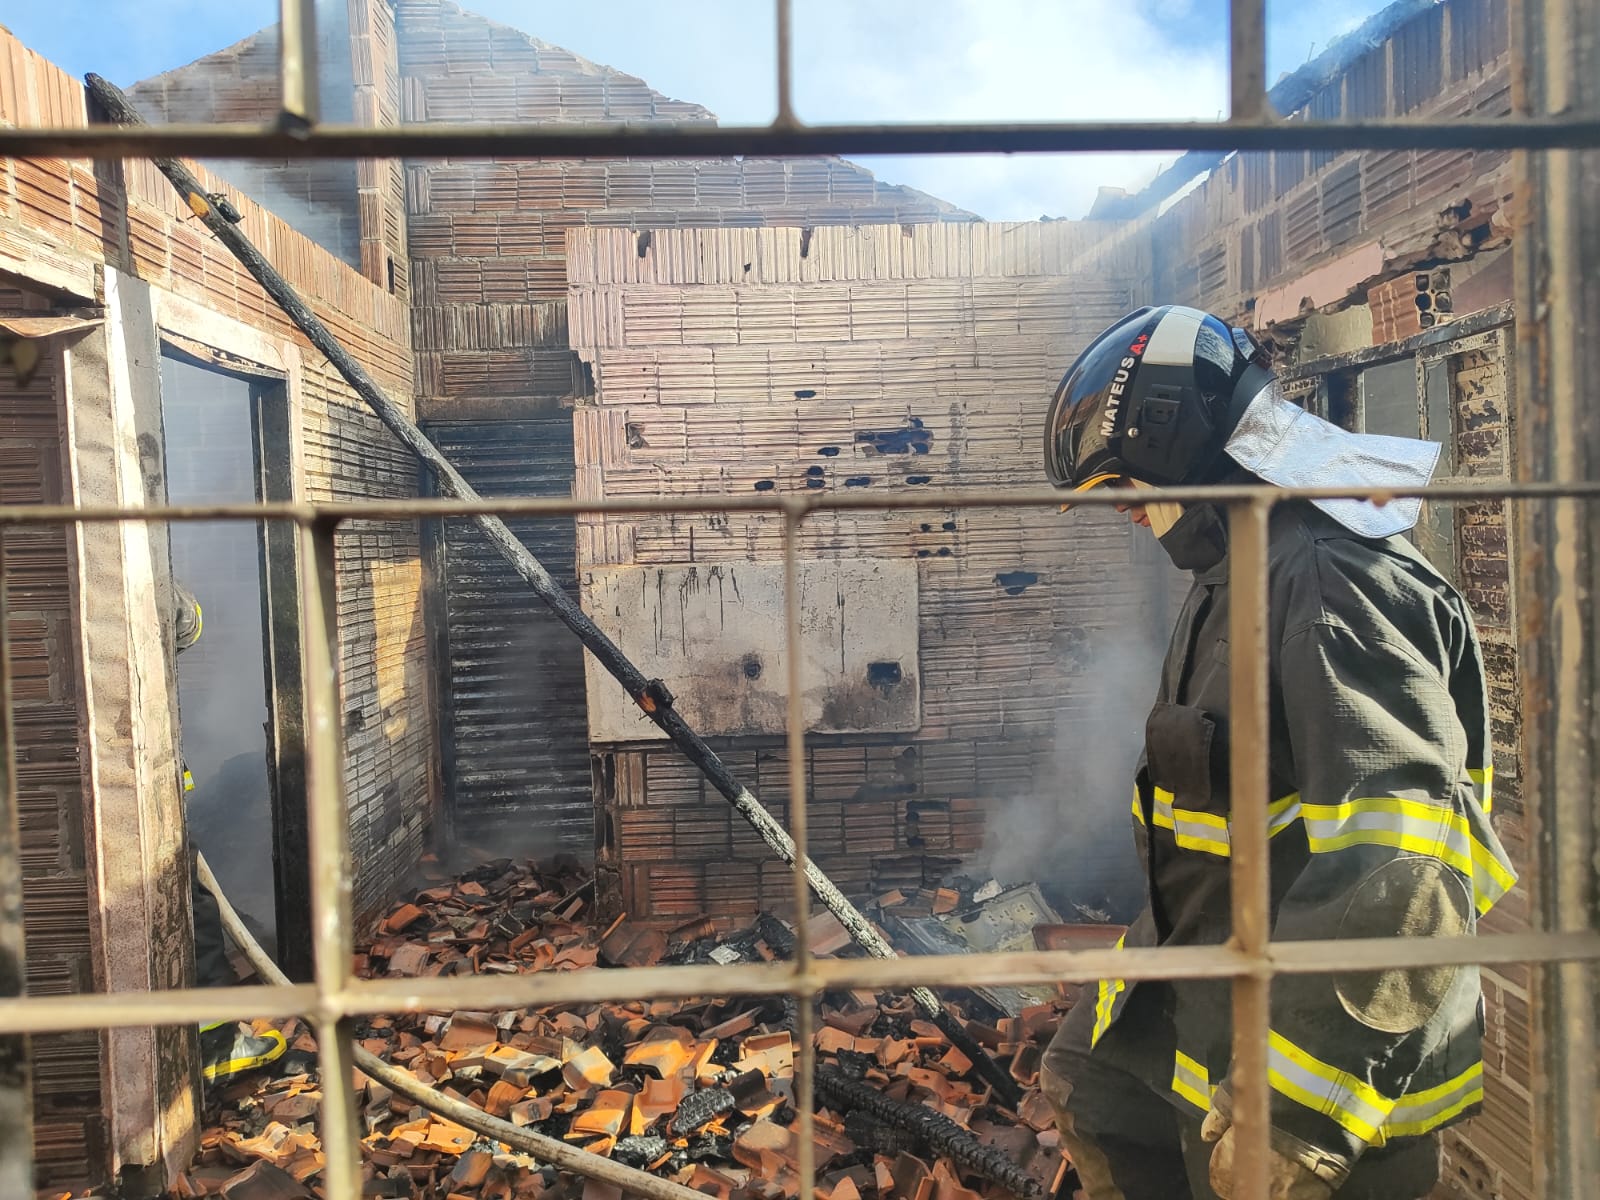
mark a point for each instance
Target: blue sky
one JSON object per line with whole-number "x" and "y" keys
{"x": 878, "y": 60}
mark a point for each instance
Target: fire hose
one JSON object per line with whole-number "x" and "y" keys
{"x": 403, "y": 1083}
{"x": 651, "y": 695}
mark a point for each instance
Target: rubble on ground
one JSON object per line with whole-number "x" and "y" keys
{"x": 698, "y": 1091}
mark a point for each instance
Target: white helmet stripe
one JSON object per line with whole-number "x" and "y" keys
{"x": 1172, "y": 343}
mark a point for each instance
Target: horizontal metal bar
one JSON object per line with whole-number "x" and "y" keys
{"x": 555, "y": 506}
{"x": 43, "y": 1014}
{"x": 194, "y": 1006}
{"x": 622, "y": 140}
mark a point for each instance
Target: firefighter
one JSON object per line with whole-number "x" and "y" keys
{"x": 227, "y": 1048}
{"x": 1379, "y": 762}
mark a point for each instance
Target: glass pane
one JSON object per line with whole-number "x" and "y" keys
{"x": 211, "y": 447}
{"x": 1389, "y": 399}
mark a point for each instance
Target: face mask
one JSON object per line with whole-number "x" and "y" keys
{"x": 1163, "y": 515}
{"x": 1198, "y": 540}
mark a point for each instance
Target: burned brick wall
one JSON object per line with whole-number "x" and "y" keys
{"x": 317, "y": 197}
{"x": 1273, "y": 236}
{"x": 488, "y": 246}
{"x": 488, "y": 239}
{"x": 353, "y": 209}
{"x": 888, "y": 359}
{"x": 65, "y": 228}
{"x": 67, "y": 1119}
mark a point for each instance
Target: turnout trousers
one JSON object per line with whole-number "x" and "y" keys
{"x": 1130, "y": 1138}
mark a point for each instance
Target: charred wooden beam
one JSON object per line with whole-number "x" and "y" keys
{"x": 651, "y": 695}
{"x": 937, "y": 1131}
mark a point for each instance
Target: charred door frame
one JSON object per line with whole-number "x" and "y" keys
{"x": 273, "y": 456}
{"x": 286, "y": 731}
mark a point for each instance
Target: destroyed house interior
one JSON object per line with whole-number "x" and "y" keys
{"x": 696, "y": 348}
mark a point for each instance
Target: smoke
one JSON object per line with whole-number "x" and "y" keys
{"x": 1071, "y": 832}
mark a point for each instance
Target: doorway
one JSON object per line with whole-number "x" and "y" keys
{"x": 226, "y": 439}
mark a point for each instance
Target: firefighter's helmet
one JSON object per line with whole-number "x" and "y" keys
{"x": 1154, "y": 399}
{"x": 188, "y": 620}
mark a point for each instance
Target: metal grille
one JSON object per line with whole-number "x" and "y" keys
{"x": 1558, "y": 258}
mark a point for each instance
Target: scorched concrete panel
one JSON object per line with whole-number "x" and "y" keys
{"x": 715, "y": 635}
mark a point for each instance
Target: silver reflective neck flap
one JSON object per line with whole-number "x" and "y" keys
{"x": 1287, "y": 446}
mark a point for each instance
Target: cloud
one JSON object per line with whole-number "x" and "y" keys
{"x": 1009, "y": 61}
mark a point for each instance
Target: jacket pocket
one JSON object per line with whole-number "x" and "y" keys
{"x": 1178, "y": 749}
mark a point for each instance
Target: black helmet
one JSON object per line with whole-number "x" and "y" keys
{"x": 1154, "y": 398}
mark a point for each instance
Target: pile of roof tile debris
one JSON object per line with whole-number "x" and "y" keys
{"x": 700, "y": 1091}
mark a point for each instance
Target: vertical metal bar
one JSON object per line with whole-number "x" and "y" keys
{"x": 1556, "y": 69}
{"x": 329, "y": 827}
{"x": 785, "y": 18}
{"x": 297, "y": 63}
{"x": 286, "y": 694}
{"x": 1247, "y": 60}
{"x": 805, "y": 1062}
{"x": 16, "y": 1077}
{"x": 1247, "y": 831}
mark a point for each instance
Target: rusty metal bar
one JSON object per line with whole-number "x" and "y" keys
{"x": 1249, "y": 863}
{"x": 46, "y": 1014}
{"x": 1557, "y": 257}
{"x": 805, "y": 1005}
{"x": 297, "y": 64}
{"x": 920, "y": 500}
{"x": 328, "y": 824}
{"x": 1247, "y": 60}
{"x": 616, "y": 140}
{"x": 783, "y": 13}
{"x": 16, "y": 1077}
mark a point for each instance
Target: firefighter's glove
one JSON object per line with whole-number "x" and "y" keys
{"x": 1287, "y": 1179}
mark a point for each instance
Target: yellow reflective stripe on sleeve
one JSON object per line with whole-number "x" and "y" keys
{"x": 1192, "y": 829}
{"x": 1138, "y": 809}
{"x": 1105, "y": 1002}
{"x": 1191, "y": 1081}
{"x": 1337, "y": 1095}
{"x": 1483, "y": 787}
{"x": 1208, "y": 832}
{"x": 1416, "y": 827}
{"x": 1419, "y": 1112}
{"x": 1283, "y": 813}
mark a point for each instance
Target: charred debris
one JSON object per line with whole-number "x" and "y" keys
{"x": 700, "y": 1092}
